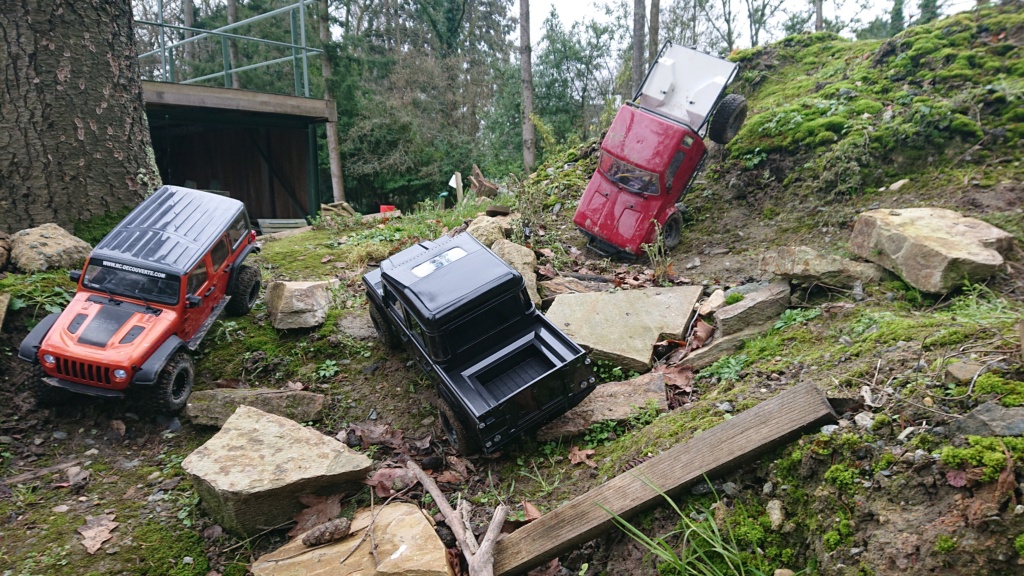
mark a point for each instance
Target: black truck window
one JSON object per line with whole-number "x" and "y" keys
{"x": 196, "y": 278}
{"x": 220, "y": 252}
{"x": 239, "y": 229}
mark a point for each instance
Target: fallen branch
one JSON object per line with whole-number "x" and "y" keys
{"x": 479, "y": 556}
{"x": 26, "y": 476}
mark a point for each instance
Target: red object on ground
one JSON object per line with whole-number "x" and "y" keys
{"x": 387, "y": 208}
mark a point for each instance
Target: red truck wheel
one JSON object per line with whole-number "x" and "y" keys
{"x": 672, "y": 231}
{"x": 172, "y": 389}
{"x": 728, "y": 119}
{"x": 247, "y": 290}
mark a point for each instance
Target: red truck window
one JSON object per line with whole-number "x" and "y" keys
{"x": 673, "y": 168}
{"x": 628, "y": 176}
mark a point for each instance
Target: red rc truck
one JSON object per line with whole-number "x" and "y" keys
{"x": 654, "y": 148}
{"x": 148, "y": 294}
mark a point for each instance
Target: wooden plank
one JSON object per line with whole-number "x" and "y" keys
{"x": 741, "y": 438}
{"x": 167, "y": 94}
{"x": 272, "y": 225}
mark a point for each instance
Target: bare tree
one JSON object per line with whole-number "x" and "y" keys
{"x": 639, "y": 9}
{"x": 653, "y": 28}
{"x": 526, "y": 71}
{"x": 188, "y": 19}
{"x": 333, "y": 150}
{"x": 233, "y": 58}
{"x": 73, "y": 132}
{"x": 759, "y": 14}
{"x": 819, "y": 17}
{"x": 722, "y": 20}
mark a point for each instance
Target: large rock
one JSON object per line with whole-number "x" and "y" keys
{"x": 713, "y": 303}
{"x": 487, "y": 230}
{"x": 5, "y": 299}
{"x": 214, "y": 407}
{"x": 522, "y": 259}
{"x": 298, "y": 304}
{"x": 756, "y": 308}
{"x": 807, "y": 266}
{"x": 405, "y": 541}
{"x": 991, "y": 419}
{"x": 47, "y": 247}
{"x": 623, "y": 326}
{"x": 932, "y": 249}
{"x": 615, "y": 401}
{"x": 5, "y": 250}
{"x": 251, "y": 473}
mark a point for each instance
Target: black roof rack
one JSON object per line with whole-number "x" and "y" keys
{"x": 170, "y": 230}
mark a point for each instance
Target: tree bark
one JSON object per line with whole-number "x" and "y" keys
{"x": 74, "y": 139}
{"x": 654, "y": 29}
{"x": 233, "y": 58}
{"x": 333, "y": 150}
{"x": 819, "y": 20}
{"x": 638, "y": 44}
{"x": 526, "y": 71}
{"x": 188, "y": 20}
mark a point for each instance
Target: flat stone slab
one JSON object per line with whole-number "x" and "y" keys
{"x": 622, "y": 327}
{"x": 721, "y": 346}
{"x": 932, "y": 249}
{"x": 611, "y": 401}
{"x": 214, "y": 407}
{"x": 756, "y": 308}
{"x": 807, "y": 266}
{"x": 991, "y": 419}
{"x": 250, "y": 474}
{"x": 405, "y": 540}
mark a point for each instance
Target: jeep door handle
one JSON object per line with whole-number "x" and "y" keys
{"x": 210, "y": 291}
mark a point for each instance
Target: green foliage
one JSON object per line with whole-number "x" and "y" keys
{"x": 608, "y": 372}
{"x": 986, "y": 452}
{"x": 605, "y": 432}
{"x": 1018, "y": 544}
{"x": 842, "y": 477}
{"x": 48, "y": 292}
{"x": 725, "y": 368}
{"x": 794, "y": 316}
{"x": 165, "y": 548}
{"x": 1010, "y": 392}
{"x": 328, "y": 369}
{"x": 734, "y": 298}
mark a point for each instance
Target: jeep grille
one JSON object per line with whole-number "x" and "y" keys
{"x": 83, "y": 371}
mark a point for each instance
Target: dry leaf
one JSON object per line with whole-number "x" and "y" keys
{"x": 449, "y": 477}
{"x": 117, "y": 426}
{"x": 326, "y": 259}
{"x": 387, "y": 481}
{"x": 577, "y": 456}
{"x": 532, "y": 512}
{"x": 553, "y": 568}
{"x": 76, "y": 475}
{"x": 546, "y": 252}
{"x": 228, "y": 383}
{"x": 459, "y": 465}
{"x": 96, "y": 531}
{"x": 702, "y": 332}
{"x": 319, "y": 509}
{"x": 956, "y": 478}
{"x": 547, "y": 270}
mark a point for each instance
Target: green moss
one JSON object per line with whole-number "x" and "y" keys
{"x": 881, "y": 421}
{"x": 945, "y": 544}
{"x": 733, "y": 298}
{"x": 1010, "y": 392}
{"x": 842, "y": 477}
{"x": 984, "y": 452}
{"x": 94, "y": 229}
{"x": 884, "y": 462}
{"x": 1018, "y": 545}
{"x": 166, "y": 548}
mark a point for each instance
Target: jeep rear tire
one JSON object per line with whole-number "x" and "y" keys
{"x": 672, "y": 231}
{"x": 385, "y": 332}
{"x": 458, "y": 437}
{"x": 173, "y": 387}
{"x": 728, "y": 119}
{"x": 247, "y": 290}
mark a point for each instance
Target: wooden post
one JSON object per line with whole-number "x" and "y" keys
{"x": 458, "y": 187}
{"x": 741, "y": 438}
{"x": 333, "y": 148}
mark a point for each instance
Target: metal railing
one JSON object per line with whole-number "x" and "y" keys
{"x": 168, "y": 70}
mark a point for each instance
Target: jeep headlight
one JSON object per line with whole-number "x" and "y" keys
{"x": 120, "y": 374}
{"x": 49, "y": 360}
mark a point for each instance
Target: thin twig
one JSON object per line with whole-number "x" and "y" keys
{"x": 975, "y": 379}
{"x": 369, "y": 527}
{"x": 247, "y": 540}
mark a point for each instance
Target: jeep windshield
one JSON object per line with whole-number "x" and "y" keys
{"x": 131, "y": 282}
{"x": 628, "y": 176}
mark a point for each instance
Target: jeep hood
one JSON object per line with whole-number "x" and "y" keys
{"x": 94, "y": 327}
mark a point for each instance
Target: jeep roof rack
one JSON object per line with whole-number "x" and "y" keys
{"x": 170, "y": 230}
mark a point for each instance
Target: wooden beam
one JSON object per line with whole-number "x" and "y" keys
{"x": 159, "y": 94}
{"x": 741, "y": 438}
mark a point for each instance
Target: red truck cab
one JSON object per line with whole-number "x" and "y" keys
{"x": 654, "y": 148}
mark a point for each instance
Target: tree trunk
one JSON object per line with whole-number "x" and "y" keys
{"x": 654, "y": 28}
{"x": 819, "y": 19}
{"x": 74, "y": 140}
{"x": 188, "y": 20}
{"x": 526, "y": 70}
{"x": 233, "y": 58}
{"x": 638, "y": 44}
{"x": 333, "y": 150}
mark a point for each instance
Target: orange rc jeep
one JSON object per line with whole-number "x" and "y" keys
{"x": 148, "y": 294}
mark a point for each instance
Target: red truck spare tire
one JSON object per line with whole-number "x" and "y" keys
{"x": 728, "y": 119}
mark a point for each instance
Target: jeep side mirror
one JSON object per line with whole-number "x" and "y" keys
{"x": 192, "y": 301}
{"x": 75, "y": 275}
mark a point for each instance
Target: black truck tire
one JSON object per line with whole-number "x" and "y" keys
{"x": 247, "y": 290}
{"x": 672, "y": 231}
{"x": 460, "y": 440}
{"x": 385, "y": 332}
{"x": 173, "y": 387}
{"x": 45, "y": 394}
{"x": 728, "y": 119}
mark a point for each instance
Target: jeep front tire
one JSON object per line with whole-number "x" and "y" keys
{"x": 247, "y": 290}
{"x": 173, "y": 387}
